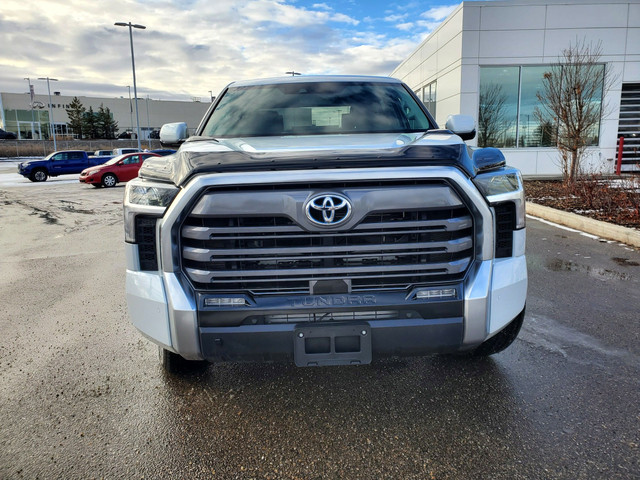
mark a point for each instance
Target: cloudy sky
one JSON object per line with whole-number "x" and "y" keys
{"x": 192, "y": 46}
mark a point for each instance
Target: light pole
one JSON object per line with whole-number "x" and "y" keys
{"x": 130, "y": 109}
{"x": 148, "y": 123}
{"x": 211, "y": 95}
{"x": 133, "y": 67}
{"x": 52, "y": 127}
{"x": 31, "y": 105}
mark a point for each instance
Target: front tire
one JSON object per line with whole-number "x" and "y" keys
{"x": 500, "y": 340}
{"x": 39, "y": 175}
{"x": 109, "y": 180}
{"x": 175, "y": 364}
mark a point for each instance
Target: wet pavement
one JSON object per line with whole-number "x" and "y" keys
{"x": 82, "y": 394}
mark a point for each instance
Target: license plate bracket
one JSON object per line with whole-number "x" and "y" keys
{"x": 323, "y": 345}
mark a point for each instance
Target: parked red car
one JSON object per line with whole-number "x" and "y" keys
{"x": 119, "y": 169}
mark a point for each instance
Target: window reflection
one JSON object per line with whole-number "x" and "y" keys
{"x": 508, "y": 103}
{"x": 429, "y": 98}
{"x": 531, "y": 131}
{"x": 498, "y": 108}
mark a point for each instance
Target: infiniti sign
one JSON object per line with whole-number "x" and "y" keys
{"x": 328, "y": 209}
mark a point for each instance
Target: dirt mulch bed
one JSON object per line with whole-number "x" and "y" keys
{"x": 610, "y": 200}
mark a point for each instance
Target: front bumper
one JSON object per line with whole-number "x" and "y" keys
{"x": 492, "y": 296}
{"x": 166, "y": 309}
{"x": 89, "y": 179}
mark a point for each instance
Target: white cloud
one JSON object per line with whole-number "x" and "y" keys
{"x": 405, "y": 26}
{"x": 187, "y": 49}
{"x": 395, "y": 18}
{"x": 278, "y": 12}
{"x": 439, "y": 13}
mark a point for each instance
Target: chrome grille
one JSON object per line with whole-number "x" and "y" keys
{"x": 273, "y": 253}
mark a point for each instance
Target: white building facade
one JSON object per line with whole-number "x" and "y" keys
{"x": 507, "y": 46}
{"x": 16, "y": 114}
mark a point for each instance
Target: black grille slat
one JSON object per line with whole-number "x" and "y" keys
{"x": 381, "y": 281}
{"x": 206, "y": 276}
{"x": 203, "y": 254}
{"x": 145, "y": 228}
{"x": 271, "y": 254}
{"x": 505, "y": 225}
{"x": 204, "y": 232}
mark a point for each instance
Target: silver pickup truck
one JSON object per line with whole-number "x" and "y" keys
{"x": 324, "y": 221}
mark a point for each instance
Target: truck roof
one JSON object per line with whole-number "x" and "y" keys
{"x": 314, "y": 79}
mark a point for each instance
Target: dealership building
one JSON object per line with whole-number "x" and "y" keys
{"x": 505, "y": 47}
{"x": 18, "y": 116}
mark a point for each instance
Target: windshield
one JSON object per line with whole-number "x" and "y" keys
{"x": 316, "y": 108}
{"x": 114, "y": 160}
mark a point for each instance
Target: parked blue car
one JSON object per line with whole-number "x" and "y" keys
{"x": 59, "y": 163}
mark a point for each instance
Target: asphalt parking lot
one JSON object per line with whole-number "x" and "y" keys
{"x": 82, "y": 394}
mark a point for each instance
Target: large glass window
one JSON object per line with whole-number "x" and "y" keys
{"x": 532, "y": 132}
{"x": 498, "y": 106}
{"x": 429, "y": 98}
{"x": 508, "y": 100}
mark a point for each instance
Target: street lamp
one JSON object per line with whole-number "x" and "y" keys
{"x": 51, "y": 125}
{"x": 130, "y": 109}
{"x": 133, "y": 67}
{"x": 31, "y": 104}
{"x": 148, "y": 123}
{"x": 293, "y": 73}
{"x": 211, "y": 96}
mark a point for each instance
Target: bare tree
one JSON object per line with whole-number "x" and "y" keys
{"x": 572, "y": 97}
{"x": 492, "y": 117}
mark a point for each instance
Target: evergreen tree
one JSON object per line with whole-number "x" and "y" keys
{"x": 90, "y": 124}
{"x": 106, "y": 126}
{"x": 76, "y": 112}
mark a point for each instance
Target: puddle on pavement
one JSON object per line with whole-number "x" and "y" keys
{"x": 559, "y": 265}
{"x": 625, "y": 262}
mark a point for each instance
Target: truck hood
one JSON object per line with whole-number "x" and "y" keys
{"x": 200, "y": 155}
{"x": 28, "y": 163}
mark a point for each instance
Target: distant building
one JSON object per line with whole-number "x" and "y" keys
{"x": 16, "y": 114}
{"x": 506, "y": 46}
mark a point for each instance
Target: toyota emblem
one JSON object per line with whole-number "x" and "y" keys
{"x": 328, "y": 210}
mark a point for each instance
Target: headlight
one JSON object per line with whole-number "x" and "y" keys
{"x": 497, "y": 183}
{"x": 504, "y": 185}
{"x": 152, "y": 195}
{"x": 92, "y": 172}
{"x": 145, "y": 198}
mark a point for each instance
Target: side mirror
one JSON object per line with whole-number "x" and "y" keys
{"x": 173, "y": 134}
{"x": 487, "y": 159}
{"x": 462, "y": 125}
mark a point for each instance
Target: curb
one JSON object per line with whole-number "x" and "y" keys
{"x": 602, "y": 229}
